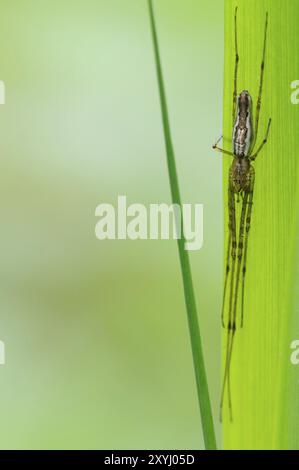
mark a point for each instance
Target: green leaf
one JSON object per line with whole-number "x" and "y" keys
{"x": 263, "y": 380}
{"x": 198, "y": 360}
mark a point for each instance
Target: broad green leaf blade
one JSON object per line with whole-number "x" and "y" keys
{"x": 261, "y": 375}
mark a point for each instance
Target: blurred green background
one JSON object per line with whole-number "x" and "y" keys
{"x": 97, "y": 346}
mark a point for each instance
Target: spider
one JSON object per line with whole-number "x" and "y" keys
{"x": 240, "y": 183}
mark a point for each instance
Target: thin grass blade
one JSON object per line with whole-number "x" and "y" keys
{"x": 195, "y": 337}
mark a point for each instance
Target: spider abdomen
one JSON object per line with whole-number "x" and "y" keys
{"x": 241, "y": 141}
{"x": 242, "y": 133}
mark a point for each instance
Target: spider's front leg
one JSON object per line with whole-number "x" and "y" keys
{"x": 240, "y": 255}
{"x": 227, "y": 271}
{"x": 234, "y": 299}
{"x": 231, "y": 245}
{"x": 231, "y": 256}
{"x": 247, "y": 228}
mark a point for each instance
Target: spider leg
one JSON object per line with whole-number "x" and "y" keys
{"x": 240, "y": 255}
{"x": 248, "y": 221}
{"x": 253, "y": 157}
{"x": 259, "y": 100}
{"x": 215, "y": 147}
{"x": 236, "y": 69}
{"x": 226, "y": 152}
{"x": 231, "y": 223}
{"x": 227, "y": 270}
{"x": 226, "y": 373}
{"x": 232, "y": 218}
{"x": 230, "y": 406}
{"x": 234, "y": 311}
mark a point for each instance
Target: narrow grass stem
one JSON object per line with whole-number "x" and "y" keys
{"x": 196, "y": 346}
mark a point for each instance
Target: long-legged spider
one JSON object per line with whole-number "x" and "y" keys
{"x": 241, "y": 182}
